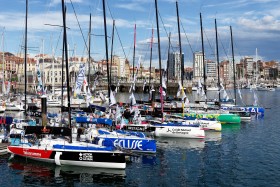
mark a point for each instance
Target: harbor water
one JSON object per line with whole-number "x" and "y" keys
{"x": 245, "y": 154}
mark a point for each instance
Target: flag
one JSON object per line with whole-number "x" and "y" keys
{"x": 85, "y": 84}
{"x": 88, "y": 97}
{"x": 163, "y": 87}
{"x": 80, "y": 78}
{"x": 179, "y": 89}
{"x": 102, "y": 97}
{"x": 183, "y": 95}
{"x": 130, "y": 89}
{"x": 187, "y": 101}
{"x": 144, "y": 85}
{"x": 239, "y": 92}
{"x": 132, "y": 98}
{"x": 112, "y": 98}
{"x": 39, "y": 77}
{"x": 139, "y": 63}
{"x": 151, "y": 92}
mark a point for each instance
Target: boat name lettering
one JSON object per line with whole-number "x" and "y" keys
{"x": 86, "y": 156}
{"x": 129, "y": 144}
{"x": 32, "y": 154}
{"x": 135, "y": 128}
{"x": 179, "y": 131}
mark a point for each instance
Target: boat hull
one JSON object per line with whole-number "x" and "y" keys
{"x": 131, "y": 144}
{"x": 179, "y": 132}
{"x": 251, "y": 109}
{"x": 222, "y": 118}
{"x": 61, "y": 156}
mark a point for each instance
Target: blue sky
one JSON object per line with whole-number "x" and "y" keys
{"x": 255, "y": 23}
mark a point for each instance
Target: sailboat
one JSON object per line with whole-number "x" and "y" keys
{"x": 55, "y": 144}
{"x": 172, "y": 129}
{"x": 255, "y": 109}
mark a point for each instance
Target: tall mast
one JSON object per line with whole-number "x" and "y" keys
{"x": 3, "y": 70}
{"x": 25, "y": 57}
{"x": 62, "y": 74}
{"x": 203, "y": 58}
{"x": 43, "y": 66}
{"x": 52, "y": 71}
{"x": 89, "y": 43}
{"x": 159, "y": 58}
{"x": 66, "y": 64}
{"x": 134, "y": 51}
{"x": 180, "y": 46}
{"x": 217, "y": 55}
{"x": 112, "y": 47}
{"x": 232, "y": 51}
{"x": 256, "y": 74}
{"x": 151, "y": 56}
{"x": 168, "y": 56}
{"x": 106, "y": 46}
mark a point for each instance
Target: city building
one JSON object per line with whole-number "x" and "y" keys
{"x": 225, "y": 70}
{"x": 198, "y": 65}
{"x": 174, "y": 68}
{"x": 211, "y": 69}
{"x": 248, "y": 63}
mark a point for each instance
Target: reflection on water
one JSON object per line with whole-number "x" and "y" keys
{"x": 37, "y": 173}
{"x": 213, "y": 136}
{"x": 180, "y": 143}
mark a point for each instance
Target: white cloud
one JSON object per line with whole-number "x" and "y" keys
{"x": 131, "y": 6}
{"x": 266, "y": 23}
{"x": 55, "y": 2}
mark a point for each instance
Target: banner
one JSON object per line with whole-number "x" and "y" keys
{"x": 39, "y": 77}
{"x": 80, "y": 79}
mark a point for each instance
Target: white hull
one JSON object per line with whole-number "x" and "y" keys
{"x": 206, "y": 124}
{"x": 179, "y": 131}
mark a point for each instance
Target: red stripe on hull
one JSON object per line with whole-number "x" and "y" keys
{"x": 30, "y": 152}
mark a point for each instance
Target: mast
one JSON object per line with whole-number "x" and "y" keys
{"x": 134, "y": 50}
{"x": 256, "y": 74}
{"x": 112, "y": 47}
{"x": 159, "y": 58}
{"x": 52, "y": 71}
{"x": 62, "y": 69}
{"x": 62, "y": 74}
{"x": 106, "y": 46}
{"x": 25, "y": 57}
{"x": 168, "y": 56}
{"x": 232, "y": 51}
{"x": 66, "y": 64}
{"x": 203, "y": 58}
{"x": 43, "y": 76}
{"x": 3, "y": 70}
{"x": 180, "y": 46}
{"x": 218, "y": 60}
{"x": 89, "y": 42}
{"x": 151, "y": 56}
